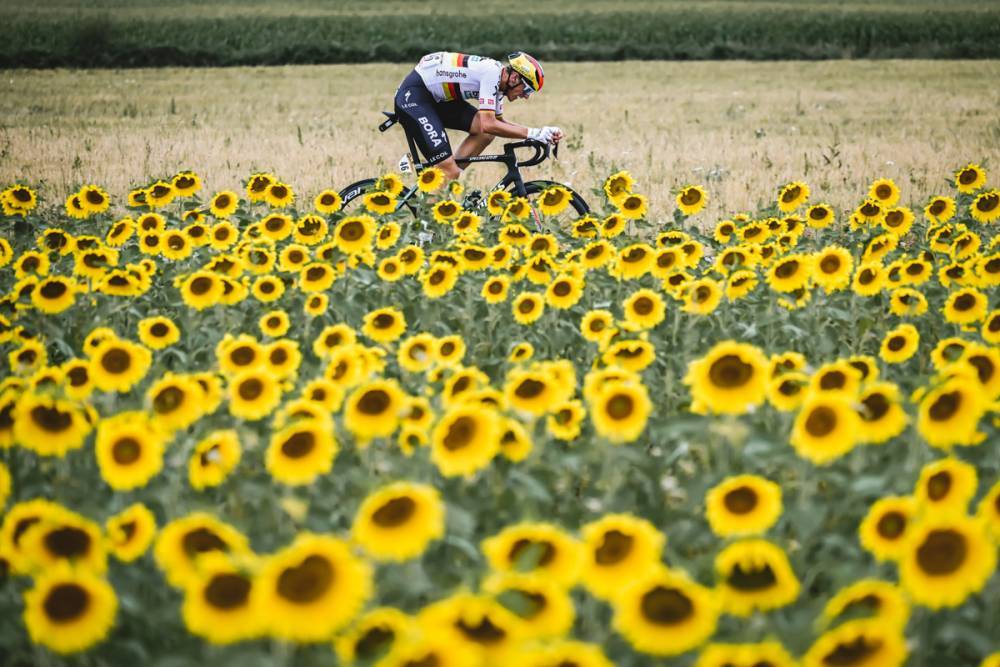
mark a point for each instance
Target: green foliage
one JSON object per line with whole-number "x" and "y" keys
{"x": 109, "y": 37}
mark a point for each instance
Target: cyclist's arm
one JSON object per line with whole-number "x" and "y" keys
{"x": 490, "y": 123}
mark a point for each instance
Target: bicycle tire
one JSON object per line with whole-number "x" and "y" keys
{"x": 578, "y": 203}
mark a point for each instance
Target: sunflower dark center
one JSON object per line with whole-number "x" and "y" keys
{"x": 741, "y": 500}
{"x": 939, "y": 485}
{"x": 830, "y": 264}
{"x": 53, "y": 289}
{"x": 250, "y": 389}
{"x": 690, "y": 197}
{"x": 227, "y": 591}
{"x": 620, "y": 406}
{"x": 526, "y": 306}
{"x": 298, "y": 445}
{"x": 945, "y": 406}
{"x": 988, "y": 203}
{"x": 855, "y": 652}
{"x": 306, "y": 582}
{"x": 752, "y": 578}
{"x": 126, "y": 451}
{"x": 67, "y": 542}
{"x": 51, "y": 419}
{"x": 169, "y": 399}
{"x": 876, "y": 406}
{"x": 460, "y": 434}
{"x": 822, "y": 421}
{"x": 615, "y": 547}
{"x": 896, "y": 343}
{"x": 66, "y": 602}
{"x": 833, "y": 380}
{"x": 116, "y": 361}
{"x": 201, "y": 285}
{"x": 666, "y": 606}
{"x": 484, "y": 632}
{"x": 243, "y": 355}
{"x": 374, "y": 402}
{"x": 374, "y": 642}
{"x": 891, "y": 525}
{"x": 729, "y": 372}
{"x": 395, "y": 513}
{"x": 942, "y": 552}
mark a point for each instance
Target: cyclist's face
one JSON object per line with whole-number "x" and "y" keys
{"x": 517, "y": 89}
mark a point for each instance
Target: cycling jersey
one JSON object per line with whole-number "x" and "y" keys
{"x": 458, "y": 76}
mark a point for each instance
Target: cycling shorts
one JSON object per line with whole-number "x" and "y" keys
{"x": 425, "y": 120}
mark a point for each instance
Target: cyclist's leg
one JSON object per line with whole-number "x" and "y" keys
{"x": 418, "y": 113}
{"x": 463, "y": 116}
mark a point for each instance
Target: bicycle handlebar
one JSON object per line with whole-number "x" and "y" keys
{"x": 542, "y": 150}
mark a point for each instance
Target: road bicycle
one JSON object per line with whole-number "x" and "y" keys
{"x": 512, "y": 180}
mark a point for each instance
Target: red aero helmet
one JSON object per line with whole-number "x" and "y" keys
{"x": 529, "y": 69}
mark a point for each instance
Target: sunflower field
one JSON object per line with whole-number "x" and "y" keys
{"x": 259, "y": 428}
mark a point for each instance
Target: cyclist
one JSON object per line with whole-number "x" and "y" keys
{"x": 432, "y": 98}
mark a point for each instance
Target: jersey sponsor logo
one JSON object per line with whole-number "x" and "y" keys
{"x": 431, "y": 133}
{"x": 447, "y": 74}
{"x": 408, "y": 106}
{"x": 407, "y": 96}
{"x": 438, "y": 156}
{"x": 470, "y": 95}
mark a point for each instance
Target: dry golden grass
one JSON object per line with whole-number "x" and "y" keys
{"x": 741, "y": 129}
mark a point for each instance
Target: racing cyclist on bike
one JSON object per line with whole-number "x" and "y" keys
{"x": 432, "y": 98}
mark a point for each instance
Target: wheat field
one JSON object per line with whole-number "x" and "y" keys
{"x": 740, "y": 129}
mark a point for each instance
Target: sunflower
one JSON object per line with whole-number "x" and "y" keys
{"x": 945, "y": 485}
{"x": 94, "y": 199}
{"x": 970, "y": 178}
{"x": 729, "y": 379}
{"x": 430, "y": 179}
{"x": 858, "y": 643}
{"x": 175, "y": 402}
{"x": 691, "y": 199}
{"x": 473, "y": 623}
{"x": 129, "y": 450}
{"x": 619, "y": 411}
{"x": 47, "y": 425}
{"x": 398, "y": 521}
{"x": 565, "y": 291}
{"x": 632, "y": 206}
{"x": 375, "y": 637}
{"x": 54, "y": 294}
{"x": 545, "y": 608}
{"x": 870, "y": 599}
{"x": 537, "y": 548}
{"x": 868, "y": 279}
{"x": 312, "y": 588}
{"x": 826, "y": 428}
{"x": 298, "y": 454}
{"x": 465, "y": 439}
{"x": 984, "y": 363}
{"x": 644, "y": 309}
{"x": 495, "y": 289}
{"x": 905, "y": 301}
{"x": 158, "y": 332}
{"x": 554, "y": 200}
{"x": 898, "y": 220}
{"x": 900, "y": 344}
{"x": 787, "y": 391}
{"x": 885, "y": 191}
{"x": 991, "y": 327}
{"x": 528, "y": 307}
{"x": 384, "y": 325}
{"x": 754, "y": 575}
{"x": 130, "y": 532}
{"x": 763, "y": 654}
{"x": 947, "y": 558}
{"x": 966, "y": 306}
{"x": 882, "y": 415}
{"x": 986, "y": 207}
{"x": 332, "y": 337}
{"x": 616, "y": 548}
{"x": 743, "y": 505}
{"x": 66, "y": 537}
{"x": 701, "y": 297}
{"x": 439, "y": 279}
{"x": 373, "y": 409}
{"x": 832, "y": 268}
{"x": 887, "y": 526}
{"x": 949, "y": 414}
{"x": 664, "y": 613}
{"x": 380, "y": 202}
{"x": 117, "y": 365}
{"x": 940, "y": 209}
{"x": 69, "y": 610}
{"x": 618, "y": 185}
{"x": 253, "y": 394}
{"x": 988, "y": 510}
{"x": 182, "y": 542}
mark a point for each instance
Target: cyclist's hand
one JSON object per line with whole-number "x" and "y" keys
{"x": 545, "y": 134}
